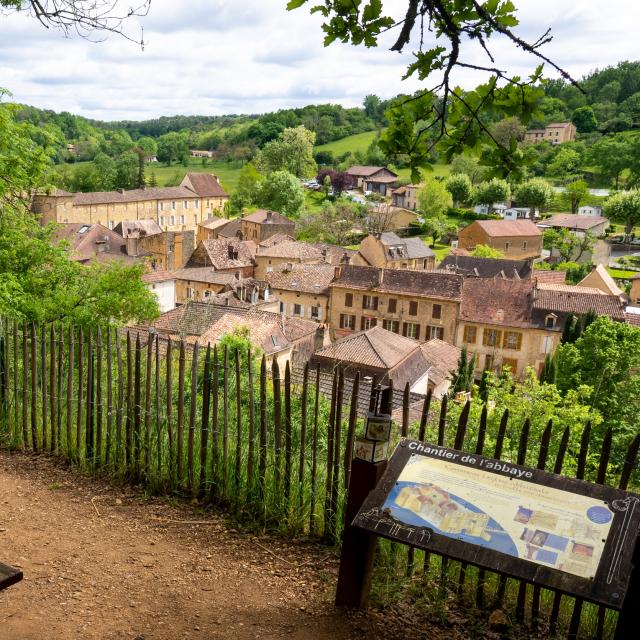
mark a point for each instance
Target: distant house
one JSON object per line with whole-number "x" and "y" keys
{"x": 208, "y": 229}
{"x": 406, "y": 196}
{"x": 471, "y": 267}
{"x": 517, "y": 213}
{"x": 94, "y": 243}
{"x": 516, "y": 239}
{"x": 201, "y": 283}
{"x": 590, "y": 210}
{"x": 262, "y": 224}
{"x": 634, "y": 293}
{"x": 378, "y": 179}
{"x": 389, "y": 251}
{"x": 199, "y": 153}
{"x": 580, "y": 226}
{"x": 555, "y": 133}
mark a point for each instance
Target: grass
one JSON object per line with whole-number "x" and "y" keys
{"x": 621, "y": 274}
{"x": 439, "y": 171}
{"x": 356, "y": 142}
{"x": 313, "y": 200}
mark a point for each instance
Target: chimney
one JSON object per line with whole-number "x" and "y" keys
{"x": 269, "y": 216}
{"x": 132, "y": 245}
{"x": 380, "y": 277}
{"x": 230, "y": 251}
{"x": 337, "y": 272}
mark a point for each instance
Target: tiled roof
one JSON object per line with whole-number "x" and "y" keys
{"x": 276, "y": 238}
{"x": 562, "y": 125}
{"x": 632, "y": 317}
{"x": 263, "y": 216}
{"x": 145, "y": 227}
{"x": 205, "y": 185}
{"x": 157, "y": 276}
{"x": 192, "y": 318}
{"x": 408, "y": 248}
{"x": 470, "y": 266}
{"x": 506, "y": 228}
{"x": 229, "y": 230}
{"x": 266, "y": 334}
{"x": 204, "y": 274}
{"x": 365, "y": 170}
{"x": 213, "y": 222}
{"x": 430, "y": 284}
{"x": 441, "y": 357}
{"x": 291, "y": 249}
{"x": 225, "y": 253}
{"x": 307, "y": 278}
{"x": 333, "y": 254}
{"x": 93, "y": 242}
{"x": 375, "y": 347}
{"x": 568, "y": 288}
{"x": 383, "y": 179}
{"x": 573, "y": 221}
{"x": 550, "y": 277}
{"x": 503, "y": 302}
{"x": 133, "y": 195}
{"x": 578, "y": 300}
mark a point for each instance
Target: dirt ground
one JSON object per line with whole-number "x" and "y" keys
{"x": 104, "y": 562}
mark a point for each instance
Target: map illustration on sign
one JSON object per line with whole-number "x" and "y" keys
{"x": 541, "y": 524}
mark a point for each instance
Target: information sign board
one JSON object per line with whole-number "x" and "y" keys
{"x": 558, "y": 532}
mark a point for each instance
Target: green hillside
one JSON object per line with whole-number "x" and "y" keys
{"x": 354, "y": 143}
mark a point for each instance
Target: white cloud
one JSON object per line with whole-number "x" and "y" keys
{"x": 222, "y": 56}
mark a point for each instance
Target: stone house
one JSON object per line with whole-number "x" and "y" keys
{"x": 555, "y": 133}
{"x": 289, "y": 252}
{"x": 94, "y": 243}
{"x": 580, "y": 225}
{"x": 262, "y": 224}
{"x": 498, "y": 325}
{"x": 172, "y": 208}
{"x": 201, "y": 283}
{"x": 378, "y": 179}
{"x": 208, "y": 229}
{"x": 600, "y": 279}
{"x": 163, "y": 285}
{"x": 226, "y": 255}
{"x": 406, "y": 196}
{"x": 302, "y": 290}
{"x": 415, "y": 304}
{"x": 516, "y": 239}
{"x": 389, "y": 251}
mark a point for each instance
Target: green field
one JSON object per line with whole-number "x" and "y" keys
{"x": 622, "y": 274}
{"x": 357, "y": 142}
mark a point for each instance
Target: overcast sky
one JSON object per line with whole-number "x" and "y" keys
{"x": 252, "y": 56}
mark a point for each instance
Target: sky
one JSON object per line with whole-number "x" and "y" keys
{"x": 215, "y": 57}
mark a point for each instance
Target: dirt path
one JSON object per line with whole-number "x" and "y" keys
{"x": 104, "y": 563}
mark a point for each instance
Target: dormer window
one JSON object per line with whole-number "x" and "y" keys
{"x": 550, "y": 321}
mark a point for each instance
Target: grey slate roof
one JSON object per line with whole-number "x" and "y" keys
{"x": 471, "y": 267}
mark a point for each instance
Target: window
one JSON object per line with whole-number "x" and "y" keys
{"x": 195, "y": 219}
{"x": 491, "y": 338}
{"x": 547, "y": 344}
{"x": 173, "y": 205}
{"x": 367, "y": 322}
{"x": 316, "y": 312}
{"x": 161, "y": 206}
{"x": 470, "y": 334}
{"x": 282, "y": 307}
{"x": 191, "y": 293}
{"x": 185, "y": 204}
{"x": 111, "y": 224}
{"x": 196, "y": 204}
{"x": 436, "y": 311}
{"x": 391, "y": 325}
{"x": 162, "y": 221}
{"x": 506, "y": 246}
{"x": 525, "y": 244}
{"x": 172, "y": 220}
{"x": 348, "y": 299}
{"x": 512, "y": 340}
{"x": 425, "y": 264}
{"x": 207, "y": 294}
{"x": 297, "y": 309}
{"x": 435, "y": 332}
{"x": 488, "y": 363}
{"x": 181, "y": 218}
{"x": 511, "y": 363}
{"x": 347, "y": 321}
{"x": 413, "y": 308}
{"x": 411, "y": 330}
{"x": 550, "y": 321}
{"x": 370, "y": 302}
{"x": 393, "y": 303}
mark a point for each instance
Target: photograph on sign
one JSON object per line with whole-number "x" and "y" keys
{"x": 545, "y": 525}
{"x": 378, "y": 427}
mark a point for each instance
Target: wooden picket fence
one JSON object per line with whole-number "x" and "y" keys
{"x": 228, "y": 430}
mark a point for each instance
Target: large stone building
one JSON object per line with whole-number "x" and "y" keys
{"x": 516, "y": 239}
{"x": 555, "y": 133}
{"x": 416, "y": 304}
{"x": 287, "y": 252}
{"x": 179, "y": 208}
{"x": 389, "y": 251}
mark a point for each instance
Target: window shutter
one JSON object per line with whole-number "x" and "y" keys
{"x": 319, "y": 312}
{"x": 348, "y": 299}
{"x": 392, "y": 305}
{"x": 417, "y": 336}
{"x": 505, "y": 340}
{"x": 485, "y": 337}
{"x": 375, "y": 303}
{"x": 362, "y": 323}
{"x": 519, "y": 342}
{"x": 404, "y": 329}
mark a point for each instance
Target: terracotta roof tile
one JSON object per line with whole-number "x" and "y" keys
{"x": 550, "y": 277}
{"x": 573, "y": 221}
{"x": 133, "y": 195}
{"x": 292, "y": 249}
{"x": 578, "y": 300}
{"x": 146, "y": 227}
{"x": 307, "y": 278}
{"x": 205, "y": 185}
{"x": 441, "y": 357}
{"x": 262, "y": 216}
{"x": 213, "y": 222}
{"x": 204, "y": 274}
{"x": 472, "y": 267}
{"x": 225, "y": 253}
{"x": 507, "y": 228}
{"x": 157, "y": 276}
{"x": 503, "y": 302}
